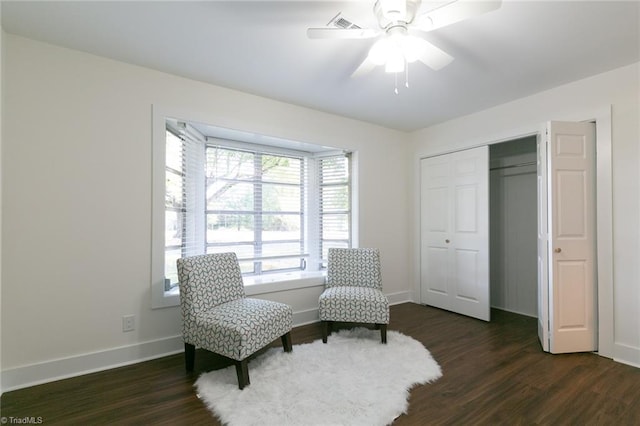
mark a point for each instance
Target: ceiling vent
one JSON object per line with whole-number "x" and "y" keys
{"x": 339, "y": 22}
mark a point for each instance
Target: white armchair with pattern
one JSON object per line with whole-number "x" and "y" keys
{"x": 218, "y": 317}
{"x": 353, "y": 291}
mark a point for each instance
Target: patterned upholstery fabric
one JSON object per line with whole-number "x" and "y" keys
{"x": 353, "y": 290}
{"x": 354, "y": 267}
{"x": 354, "y": 304}
{"x": 216, "y": 314}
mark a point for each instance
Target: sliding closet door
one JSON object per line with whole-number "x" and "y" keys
{"x": 454, "y": 232}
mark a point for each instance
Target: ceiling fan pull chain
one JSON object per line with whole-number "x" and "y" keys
{"x": 406, "y": 74}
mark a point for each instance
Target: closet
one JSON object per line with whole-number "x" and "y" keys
{"x": 513, "y": 226}
{"x": 479, "y": 229}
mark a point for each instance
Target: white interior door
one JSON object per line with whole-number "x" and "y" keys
{"x": 571, "y": 240}
{"x": 455, "y": 232}
{"x": 543, "y": 256}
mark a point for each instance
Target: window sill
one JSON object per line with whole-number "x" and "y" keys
{"x": 175, "y": 291}
{"x": 263, "y": 284}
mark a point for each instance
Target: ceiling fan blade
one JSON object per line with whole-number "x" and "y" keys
{"x": 434, "y": 57}
{"x": 365, "y": 67}
{"x": 341, "y": 33}
{"x": 453, "y": 12}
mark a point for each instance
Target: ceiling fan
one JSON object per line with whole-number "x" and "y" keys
{"x": 400, "y": 36}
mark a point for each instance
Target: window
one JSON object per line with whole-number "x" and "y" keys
{"x": 277, "y": 208}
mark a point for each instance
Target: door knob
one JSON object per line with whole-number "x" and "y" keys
{"x": 558, "y": 250}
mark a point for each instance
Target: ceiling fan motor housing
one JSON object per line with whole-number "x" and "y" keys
{"x": 393, "y": 12}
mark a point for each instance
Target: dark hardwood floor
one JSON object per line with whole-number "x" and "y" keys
{"x": 493, "y": 373}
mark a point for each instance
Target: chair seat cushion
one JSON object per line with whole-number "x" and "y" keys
{"x": 354, "y": 304}
{"x": 239, "y": 328}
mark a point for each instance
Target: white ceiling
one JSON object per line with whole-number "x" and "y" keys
{"x": 261, "y": 48}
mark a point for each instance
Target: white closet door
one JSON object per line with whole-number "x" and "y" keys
{"x": 566, "y": 238}
{"x": 571, "y": 245}
{"x": 455, "y": 232}
{"x": 543, "y": 233}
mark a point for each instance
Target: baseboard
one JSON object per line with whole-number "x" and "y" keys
{"x": 308, "y": 316}
{"x": 514, "y": 311}
{"x": 400, "y": 297}
{"x": 626, "y": 354}
{"x": 63, "y": 368}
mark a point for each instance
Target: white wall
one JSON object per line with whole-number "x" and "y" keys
{"x": 76, "y": 196}
{"x": 580, "y": 100}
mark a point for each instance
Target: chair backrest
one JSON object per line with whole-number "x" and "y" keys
{"x": 358, "y": 267}
{"x": 209, "y": 280}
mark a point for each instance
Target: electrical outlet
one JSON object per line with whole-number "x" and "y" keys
{"x": 128, "y": 323}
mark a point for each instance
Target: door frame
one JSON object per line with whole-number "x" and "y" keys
{"x": 604, "y": 210}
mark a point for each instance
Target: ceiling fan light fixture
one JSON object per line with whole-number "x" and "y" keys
{"x": 380, "y": 51}
{"x": 412, "y": 47}
{"x": 395, "y": 62}
{"x": 396, "y": 49}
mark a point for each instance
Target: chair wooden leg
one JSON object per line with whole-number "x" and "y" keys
{"x": 286, "y": 342}
{"x": 325, "y": 328}
{"x": 383, "y": 333}
{"x": 242, "y": 370}
{"x": 189, "y": 356}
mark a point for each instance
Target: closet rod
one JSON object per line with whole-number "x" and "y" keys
{"x": 530, "y": 163}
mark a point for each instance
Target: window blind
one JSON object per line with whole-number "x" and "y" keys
{"x": 184, "y": 179}
{"x": 255, "y": 206}
{"x": 335, "y": 202}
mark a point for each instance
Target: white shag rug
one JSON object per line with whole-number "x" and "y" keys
{"x": 353, "y": 379}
